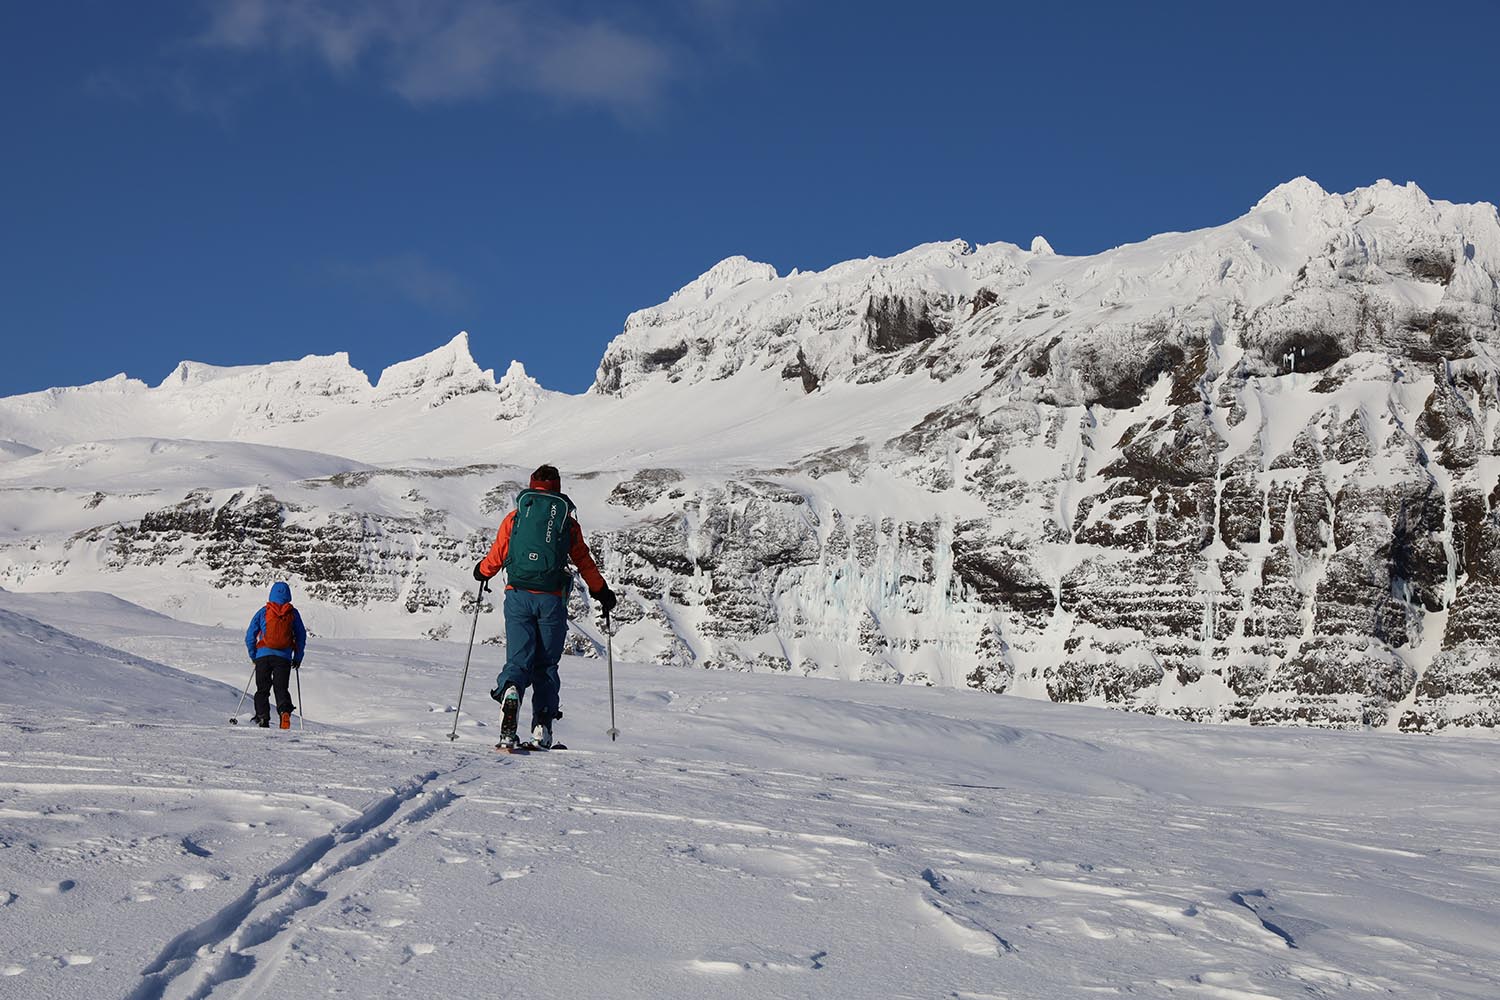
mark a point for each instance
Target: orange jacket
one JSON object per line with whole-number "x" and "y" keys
{"x": 578, "y": 551}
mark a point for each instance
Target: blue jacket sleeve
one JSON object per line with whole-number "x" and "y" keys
{"x": 299, "y": 635}
{"x": 257, "y": 625}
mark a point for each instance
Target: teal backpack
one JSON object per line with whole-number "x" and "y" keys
{"x": 539, "y": 543}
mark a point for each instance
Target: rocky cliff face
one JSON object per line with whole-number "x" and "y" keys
{"x": 1251, "y": 472}
{"x": 1244, "y": 473}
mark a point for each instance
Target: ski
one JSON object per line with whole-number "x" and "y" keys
{"x": 528, "y": 747}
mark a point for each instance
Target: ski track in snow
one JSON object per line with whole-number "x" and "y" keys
{"x": 161, "y": 861}
{"x": 269, "y": 912}
{"x": 980, "y": 886}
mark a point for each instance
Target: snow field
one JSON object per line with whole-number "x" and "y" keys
{"x": 749, "y": 836}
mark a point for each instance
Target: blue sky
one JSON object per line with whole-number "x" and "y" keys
{"x": 245, "y": 181}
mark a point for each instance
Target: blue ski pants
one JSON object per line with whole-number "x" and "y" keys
{"x": 535, "y": 627}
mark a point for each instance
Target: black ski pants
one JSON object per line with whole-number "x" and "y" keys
{"x": 269, "y": 671}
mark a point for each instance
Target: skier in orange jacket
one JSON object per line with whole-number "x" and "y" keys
{"x": 275, "y": 640}
{"x": 534, "y": 545}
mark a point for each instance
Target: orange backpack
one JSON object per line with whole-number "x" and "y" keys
{"x": 278, "y": 633}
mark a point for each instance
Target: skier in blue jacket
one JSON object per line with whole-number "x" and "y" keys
{"x": 275, "y": 641}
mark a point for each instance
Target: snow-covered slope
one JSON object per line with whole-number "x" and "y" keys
{"x": 748, "y": 836}
{"x": 11, "y": 450}
{"x": 1249, "y": 472}
{"x": 118, "y": 465}
{"x": 47, "y": 669}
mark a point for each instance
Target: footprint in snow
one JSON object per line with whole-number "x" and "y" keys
{"x": 716, "y": 967}
{"x": 193, "y": 881}
{"x": 12, "y": 970}
{"x": 736, "y": 959}
{"x": 421, "y": 948}
{"x": 57, "y": 888}
{"x": 75, "y": 959}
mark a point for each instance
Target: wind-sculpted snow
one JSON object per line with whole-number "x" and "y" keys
{"x": 1250, "y": 472}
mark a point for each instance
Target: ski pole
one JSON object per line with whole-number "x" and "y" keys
{"x": 234, "y": 720}
{"x": 478, "y": 606}
{"x": 301, "y": 711}
{"x": 609, "y": 639}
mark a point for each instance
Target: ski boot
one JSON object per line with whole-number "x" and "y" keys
{"x": 286, "y": 720}
{"x": 510, "y": 708}
{"x": 264, "y": 722}
{"x": 541, "y": 736}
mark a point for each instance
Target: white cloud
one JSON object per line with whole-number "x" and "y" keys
{"x": 446, "y": 50}
{"x": 600, "y": 63}
{"x": 408, "y": 276}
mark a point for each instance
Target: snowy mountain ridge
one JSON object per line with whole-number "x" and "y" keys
{"x": 1250, "y": 472}
{"x": 826, "y": 323}
{"x": 241, "y": 402}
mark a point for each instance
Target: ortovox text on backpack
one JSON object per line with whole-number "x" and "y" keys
{"x": 539, "y": 542}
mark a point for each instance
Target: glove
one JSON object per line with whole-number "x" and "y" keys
{"x": 297, "y": 663}
{"x": 478, "y": 573}
{"x": 606, "y": 599}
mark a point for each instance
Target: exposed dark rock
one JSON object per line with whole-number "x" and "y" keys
{"x": 1041, "y": 362}
{"x": 664, "y": 357}
{"x": 1433, "y": 338}
{"x": 645, "y": 488}
{"x": 892, "y": 323}
{"x": 1305, "y": 351}
{"x": 1447, "y": 420}
{"x": 1187, "y": 379}
{"x": 801, "y": 370}
{"x": 1122, "y": 383}
{"x": 1179, "y": 452}
{"x": 983, "y": 299}
{"x": 611, "y": 375}
{"x": 1242, "y": 504}
{"x": 852, "y": 459}
{"x": 1004, "y": 579}
{"x": 500, "y": 499}
{"x": 342, "y": 558}
{"x": 1431, "y": 265}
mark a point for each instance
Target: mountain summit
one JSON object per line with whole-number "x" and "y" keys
{"x": 439, "y": 375}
